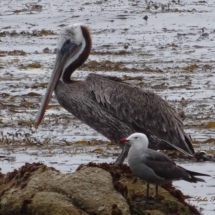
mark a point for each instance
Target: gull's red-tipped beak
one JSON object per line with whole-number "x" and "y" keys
{"x": 123, "y": 140}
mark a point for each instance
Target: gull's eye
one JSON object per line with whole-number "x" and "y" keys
{"x": 135, "y": 137}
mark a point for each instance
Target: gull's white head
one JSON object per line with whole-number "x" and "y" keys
{"x": 137, "y": 139}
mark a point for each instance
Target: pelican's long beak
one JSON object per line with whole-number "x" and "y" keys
{"x": 58, "y": 68}
{"x": 63, "y": 58}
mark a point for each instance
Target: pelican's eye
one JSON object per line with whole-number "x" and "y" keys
{"x": 67, "y": 42}
{"x": 66, "y": 46}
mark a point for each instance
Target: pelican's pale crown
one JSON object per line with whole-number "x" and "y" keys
{"x": 72, "y": 33}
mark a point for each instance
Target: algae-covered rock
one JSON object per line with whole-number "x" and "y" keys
{"x": 171, "y": 200}
{"x": 37, "y": 189}
{"x": 166, "y": 204}
{"x": 45, "y": 203}
{"x": 95, "y": 189}
{"x": 152, "y": 212}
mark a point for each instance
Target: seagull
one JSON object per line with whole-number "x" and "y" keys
{"x": 155, "y": 167}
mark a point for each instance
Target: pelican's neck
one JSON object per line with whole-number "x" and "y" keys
{"x": 80, "y": 57}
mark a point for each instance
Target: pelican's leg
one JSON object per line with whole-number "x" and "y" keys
{"x": 122, "y": 155}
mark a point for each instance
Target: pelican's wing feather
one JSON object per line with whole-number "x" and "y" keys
{"x": 143, "y": 110}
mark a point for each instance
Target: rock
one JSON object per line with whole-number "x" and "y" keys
{"x": 46, "y": 203}
{"x": 101, "y": 189}
{"x": 38, "y": 189}
{"x": 154, "y": 212}
{"x": 46, "y": 50}
{"x": 171, "y": 200}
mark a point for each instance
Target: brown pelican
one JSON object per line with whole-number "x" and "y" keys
{"x": 155, "y": 167}
{"x": 111, "y": 107}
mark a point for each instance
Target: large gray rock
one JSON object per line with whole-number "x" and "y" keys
{"x": 95, "y": 189}
{"x": 37, "y": 189}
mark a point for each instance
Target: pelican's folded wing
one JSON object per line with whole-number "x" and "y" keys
{"x": 143, "y": 110}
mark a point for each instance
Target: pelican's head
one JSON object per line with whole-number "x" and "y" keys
{"x": 137, "y": 139}
{"x": 74, "y": 44}
{"x": 73, "y": 33}
{"x": 73, "y": 49}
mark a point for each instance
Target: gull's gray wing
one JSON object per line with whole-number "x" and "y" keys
{"x": 163, "y": 166}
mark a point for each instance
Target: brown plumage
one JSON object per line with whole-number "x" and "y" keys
{"x": 113, "y": 108}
